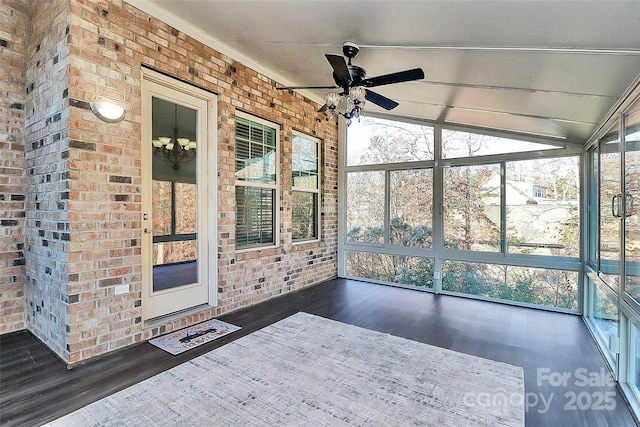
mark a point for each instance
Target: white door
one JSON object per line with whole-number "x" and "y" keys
{"x": 178, "y": 169}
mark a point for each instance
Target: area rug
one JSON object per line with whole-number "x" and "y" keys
{"x": 310, "y": 371}
{"x": 184, "y": 339}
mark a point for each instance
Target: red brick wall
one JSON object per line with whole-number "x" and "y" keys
{"x": 13, "y": 30}
{"x": 83, "y": 209}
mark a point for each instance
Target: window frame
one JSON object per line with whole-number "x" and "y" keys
{"x": 275, "y": 187}
{"x": 317, "y": 191}
{"x": 438, "y": 252}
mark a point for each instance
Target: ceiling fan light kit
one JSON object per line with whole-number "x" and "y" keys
{"x": 353, "y": 104}
{"x": 351, "y": 79}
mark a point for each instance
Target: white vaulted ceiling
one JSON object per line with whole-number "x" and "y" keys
{"x": 551, "y": 68}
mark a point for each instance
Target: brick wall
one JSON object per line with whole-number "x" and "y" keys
{"x": 13, "y": 29}
{"x": 83, "y": 229}
{"x": 46, "y": 152}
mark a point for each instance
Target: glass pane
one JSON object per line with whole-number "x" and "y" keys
{"x": 604, "y": 315}
{"x": 404, "y": 270}
{"x": 379, "y": 141}
{"x": 254, "y": 216}
{"x": 304, "y": 163}
{"x": 255, "y": 152}
{"x": 365, "y": 207}
{"x": 175, "y": 252}
{"x": 473, "y": 278}
{"x": 411, "y": 206}
{"x": 634, "y": 360}
{"x": 472, "y": 208}
{"x": 174, "y": 194}
{"x": 540, "y": 286}
{"x": 304, "y": 215}
{"x": 457, "y": 144}
{"x": 186, "y": 208}
{"x": 610, "y": 224}
{"x": 161, "y": 208}
{"x": 173, "y": 142}
{"x": 632, "y": 194}
{"x": 542, "y": 200}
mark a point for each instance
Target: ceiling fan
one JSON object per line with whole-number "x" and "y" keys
{"x": 354, "y": 84}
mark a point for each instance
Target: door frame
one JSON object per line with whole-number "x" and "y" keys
{"x": 154, "y": 82}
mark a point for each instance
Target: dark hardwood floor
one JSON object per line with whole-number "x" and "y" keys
{"x": 35, "y": 387}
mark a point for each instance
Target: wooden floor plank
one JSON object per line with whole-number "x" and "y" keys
{"x": 35, "y": 387}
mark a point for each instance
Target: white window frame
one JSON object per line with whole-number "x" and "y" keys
{"x": 317, "y": 191}
{"x": 275, "y": 187}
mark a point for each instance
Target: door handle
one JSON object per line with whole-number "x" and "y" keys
{"x": 615, "y": 206}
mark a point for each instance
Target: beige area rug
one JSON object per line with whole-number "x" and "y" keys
{"x": 310, "y": 371}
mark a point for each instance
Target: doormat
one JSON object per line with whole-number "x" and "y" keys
{"x": 185, "y": 339}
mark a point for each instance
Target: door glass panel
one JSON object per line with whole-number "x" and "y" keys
{"x": 632, "y": 196}
{"x": 174, "y": 200}
{"x": 610, "y": 220}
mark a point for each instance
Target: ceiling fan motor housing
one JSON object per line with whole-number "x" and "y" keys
{"x": 350, "y": 50}
{"x": 357, "y": 74}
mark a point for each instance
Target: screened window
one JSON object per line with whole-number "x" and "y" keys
{"x": 256, "y": 173}
{"x": 305, "y": 194}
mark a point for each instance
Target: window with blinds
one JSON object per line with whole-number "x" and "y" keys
{"x": 256, "y": 173}
{"x": 305, "y": 195}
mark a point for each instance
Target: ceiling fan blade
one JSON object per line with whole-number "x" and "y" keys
{"x": 307, "y": 87}
{"x": 340, "y": 69}
{"x": 399, "y": 77}
{"x": 323, "y": 108}
{"x": 382, "y": 101}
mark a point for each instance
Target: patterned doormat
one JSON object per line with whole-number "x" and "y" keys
{"x": 184, "y": 339}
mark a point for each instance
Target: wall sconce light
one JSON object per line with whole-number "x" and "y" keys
{"x": 108, "y": 112}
